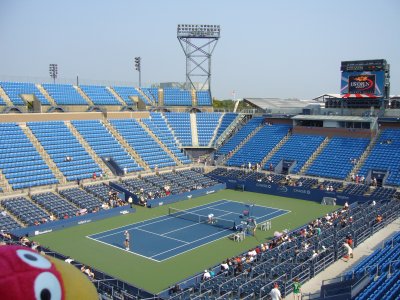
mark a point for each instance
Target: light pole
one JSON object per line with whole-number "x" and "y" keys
{"x": 139, "y": 69}
{"x": 53, "y": 70}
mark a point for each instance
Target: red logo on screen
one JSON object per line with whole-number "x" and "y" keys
{"x": 362, "y": 84}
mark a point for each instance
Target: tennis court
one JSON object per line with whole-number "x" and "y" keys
{"x": 167, "y": 236}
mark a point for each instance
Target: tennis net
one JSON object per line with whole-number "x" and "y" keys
{"x": 215, "y": 221}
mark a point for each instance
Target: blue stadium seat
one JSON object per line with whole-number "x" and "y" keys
{"x": 99, "y": 95}
{"x": 20, "y": 162}
{"x": 15, "y": 89}
{"x": 64, "y": 94}
{"x": 105, "y": 144}
{"x": 148, "y": 149}
{"x": 59, "y": 142}
{"x": 335, "y": 159}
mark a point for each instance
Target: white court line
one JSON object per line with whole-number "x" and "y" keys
{"x": 257, "y": 205}
{"x": 171, "y": 238}
{"x": 192, "y": 243}
{"x": 122, "y": 249}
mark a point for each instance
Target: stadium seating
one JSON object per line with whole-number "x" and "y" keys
{"x": 385, "y": 155}
{"x": 126, "y": 91}
{"x": 25, "y": 211}
{"x": 81, "y": 198}
{"x": 105, "y": 145}
{"x": 64, "y": 94}
{"x": 383, "y": 267}
{"x": 177, "y": 97}
{"x": 99, "y": 95}
{"x": 335, "y": 159}
{"x": 152, "y": 93}
{"x": 53, "y": 203}
{"x": 239, "y": 136}
{"x": 20, "y": 162}
{"x": 15, "y": 89}
{"x": 59, "y": 143}
{"x": 259, "y": 145}
{"x": 148, "y": 149}
{"x": 206, "y": 125}
{"x": 158, "y": 125}
{"x": 203, "y": 98}
{"x": 299, "y": 148}
{"x": 180, "y": 125}
{"x": 6, "y": 222}
{"x": 100, "y": 191}
{"x": 227, "y": 119}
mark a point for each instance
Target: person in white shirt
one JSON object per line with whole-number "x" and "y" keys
{"x": 275, "y": 293}
{"x": 206, "y": 275}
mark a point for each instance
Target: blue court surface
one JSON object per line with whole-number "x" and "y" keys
{"x": 167, "y": 236}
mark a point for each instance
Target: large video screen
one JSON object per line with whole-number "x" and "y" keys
{"x": 366, "y": 82}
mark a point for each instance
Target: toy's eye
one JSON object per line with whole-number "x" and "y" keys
{"x": 33, "y": 259}
{"x": 47, "y": 287}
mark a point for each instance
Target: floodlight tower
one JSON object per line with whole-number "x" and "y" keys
{"x": 53, "y": 71}
{"x": 198, "y": 43}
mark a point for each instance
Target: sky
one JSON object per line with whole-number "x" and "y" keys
{"x": 284, "y": 49}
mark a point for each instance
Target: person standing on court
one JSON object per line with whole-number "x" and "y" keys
{"x": 126, "y": 243}
{"x": 275, "y": 293}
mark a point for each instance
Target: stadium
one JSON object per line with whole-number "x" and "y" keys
{"x": 164, "y": 195}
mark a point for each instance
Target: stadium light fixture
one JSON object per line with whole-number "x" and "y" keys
{"x": 53, "y": 70}
{"x": 138, "y": 68}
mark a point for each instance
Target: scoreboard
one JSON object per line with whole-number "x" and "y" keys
{"x": 365, "y": 79}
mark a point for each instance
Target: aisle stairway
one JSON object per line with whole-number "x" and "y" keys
{"x": 193, "y": 126}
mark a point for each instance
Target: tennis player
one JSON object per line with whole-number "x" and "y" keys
{"x": 211, "y": 218}
{"x": 126, "y": 242}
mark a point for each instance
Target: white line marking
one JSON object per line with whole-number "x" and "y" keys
{"x": 161, "y": 235}
{"x": 122, "y": 249}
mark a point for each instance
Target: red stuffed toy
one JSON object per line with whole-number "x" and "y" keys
{"x": 25, "y": 274}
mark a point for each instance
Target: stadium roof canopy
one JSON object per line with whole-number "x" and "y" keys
{"x": 333, "y": 118}
{"x": 277, "y": 103}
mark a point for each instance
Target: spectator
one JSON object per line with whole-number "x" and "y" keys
{"x": 130, "y": 201}
{"x": 378, "y": 219}
{"x": 296, "y": 289}
{"x": 275, "y": 293}
{"x": 348, "y": 249}
{"x": 206, "y": 275}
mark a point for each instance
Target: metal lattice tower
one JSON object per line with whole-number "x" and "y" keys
{"x": 198, "y": 43}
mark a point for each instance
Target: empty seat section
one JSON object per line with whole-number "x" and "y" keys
{"x": 335, "y": 160}
{"x": 151, "y": 93}
{"x": 64, "y": 94}
{"x": 158, "y": 125}
{"x": 15, "y": 89}
{"x": 105, "y": 145}
{"x": 180, "y": 124}
{"x": 99, "y": 95}
{"x": 203, "y": 98}
{"x": 385, "y": 155}
{"x": 20, "y": 162}
{"x": 59, "y": 143}
{"x": 148, "y": 149}
{"x": 239, "y": 136}
{"x": 227, "y": 119}
{"x": 126, "y": 92}
{"x": 206, "y": 125}
{"x": 82, "y": 199}
{"x": 7, "y": 223}
{"x": 299, "y": 148}
{"x": 55, "y": 204}
{"x": 255, "y": 149}
{"x": 177, "y": 97}
{"x": 25, "y": 211}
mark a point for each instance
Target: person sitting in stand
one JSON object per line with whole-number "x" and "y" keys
{"x": 142, "y": 201}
